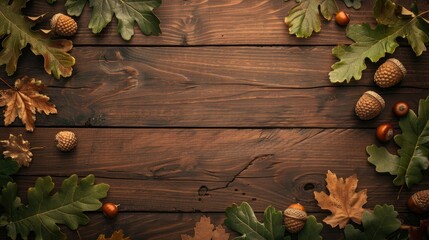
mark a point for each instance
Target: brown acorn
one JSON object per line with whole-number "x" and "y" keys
{"x": 295, "y": 218}
{"x": 389, "y": 73}
{"x": 419, "y": 202}
{"x": 66, "y": 141}
{"x": 369, "y": 105}
{"x": 63, "y": 25}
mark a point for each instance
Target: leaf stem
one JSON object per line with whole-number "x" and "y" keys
{"x": 423, "y": 13}
{"x": 37, "y": 148}
{"x": 4, "y": 81}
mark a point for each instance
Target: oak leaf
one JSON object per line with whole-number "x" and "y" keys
{"x": 17, "y": 33}
{"x": 378, "y": 224}
{"x": 24, "y": 100}
{"x": 117, "y": 235}
{"x": 303, "y": 19}
{"x": 47, "y": 209}
{"x": 18, "y": 149}
{"x": 127, "y": 13}
{"x": 412, "y": 157}
{"x": 204, "y": 230}
{"x": 343, "y": 201}
{"x": 373, "y": 43}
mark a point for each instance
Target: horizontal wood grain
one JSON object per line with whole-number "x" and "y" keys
{"x": 215, "y": 87}
{"x": 221, "y": 22}
{"x": 188, "y": 170}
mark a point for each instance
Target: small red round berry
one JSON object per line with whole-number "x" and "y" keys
{"x": 384, "y": 132}
{"x": 110, "y": 210}
{"x": 400, "y": 109}
{"x": 342, "y": 18}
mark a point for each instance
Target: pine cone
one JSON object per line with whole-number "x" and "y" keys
{"x": 66, "y": 141}
{"x": 63, "y": 25}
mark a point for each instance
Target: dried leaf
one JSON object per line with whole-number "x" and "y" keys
{"x": 17, "y": 33}
{"x": 18, "y": 149}
{"x": 343, "y": 201}
{"x": 117, "y": 235}
{"x": 204, "y": 230}
{"x": 24, "y": 100}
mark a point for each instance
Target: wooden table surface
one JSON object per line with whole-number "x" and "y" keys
{"x": 225, "y": 106}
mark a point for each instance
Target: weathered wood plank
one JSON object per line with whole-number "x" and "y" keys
{"x": 161, "y": 226}
{"x": 215, "y": 87}
{"x": 222, "y": 22}
{"x": 205, "y": 170}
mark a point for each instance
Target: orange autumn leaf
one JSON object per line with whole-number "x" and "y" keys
{"x": 24, "y": 100}
{"x": 204, "y": 230}
{"x": 343, "y": 201}
{"x": 117, "y": 235}
{"x": 17, "y": 149}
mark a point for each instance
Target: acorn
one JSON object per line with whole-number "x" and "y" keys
{"x": 295, "y": 218}
{"x": 66, "y": 141}
{"x": 389, "y": 73}
{"x": 63, "y": 25}
{"x": 419, "y": 202}
{"x": 369, "y": 105}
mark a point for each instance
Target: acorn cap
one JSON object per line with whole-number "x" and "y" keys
{"x": 369, "y": 105}
{"x": 294, "y": 218}
{"x": 66, "y": 141}
{"x": 419, "y": 202}
{"x": 63, "y": 25}
{"x": 389, "y": 73}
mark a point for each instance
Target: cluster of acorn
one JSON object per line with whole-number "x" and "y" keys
{"x": 371, "y": 104}
{"x": 419, "y": 203}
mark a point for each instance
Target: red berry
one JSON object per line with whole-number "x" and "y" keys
{"x": 110, "y": 210}
{"x": 384, "y": 132}
{"x": 342, "y": 18}
{"x": 400, "y": 109}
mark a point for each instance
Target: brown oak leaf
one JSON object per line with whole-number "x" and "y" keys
{"x": 18, "y": 149}
{"x": 117, "y": 235}
{"x": 343, "y": 201}
{"x": 204, "y": 230}
{"x": 24, "y": 100}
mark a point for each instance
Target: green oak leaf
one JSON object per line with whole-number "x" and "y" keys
{"x": 311, "y": 230}
{"x": 16, "y": 29}
{"x": 242, "y": 219}
{"x": 45, "y": 210}
{"x": 303, "y": 19}
{"x": 377, "y": 224}
{"x": 374, "y": 43}
{"x": 8, "y": 167}
{"x": 413, "y": 154}
{"x": 51, "y": 1}
{"x": 356, "y": 4}
{"x": 127, "y": 12}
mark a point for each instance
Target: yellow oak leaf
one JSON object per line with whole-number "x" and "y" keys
{"x": 24, "y": 100}
{"x": 117, "y": 235}
{"x": 18, "y": 149}
{"x": 343, "y": 201}
{"x": 204, "y": 230}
